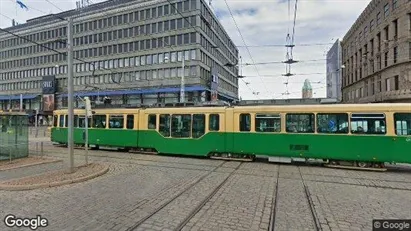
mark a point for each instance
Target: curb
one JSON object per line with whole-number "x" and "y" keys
{"x": 29, "y": 165}
{"x": 53, "y": 184}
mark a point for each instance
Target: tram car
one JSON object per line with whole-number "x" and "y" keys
{"x": 352, "y": 135}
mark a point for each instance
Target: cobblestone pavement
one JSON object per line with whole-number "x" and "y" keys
{"x": 29, "y": 171}
{"x": 147, "y": 192}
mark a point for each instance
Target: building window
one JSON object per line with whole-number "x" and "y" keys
{"x": 409, "y": 50}
{"x": 386, "y": 31}
{"x": 409, "y": 21}
{"x": 396, "y": 83}
{"x": 386, "y": 10}
{"x": 372, "y": 25}
{"x": 386, "y": 59}
{"x": 394, "y": 4}
{"x": 387, "y": 85}
{"x": 395, "y": 28}
{"x": 395, "y": 54}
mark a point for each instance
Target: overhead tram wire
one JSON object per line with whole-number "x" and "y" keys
{"x": 281, "y": 62}
{"x": 195, "y": 28}
{"x": 283, "y": 45}
{"x": 43, "y": 12}
{"x": 242, "y": 38}
{"x": 54, "y": 5}
{"x": 5, "y": 16}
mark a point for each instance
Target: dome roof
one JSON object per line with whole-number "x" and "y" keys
{"x": 307, "y": 85}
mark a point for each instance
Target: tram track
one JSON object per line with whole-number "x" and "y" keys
{"x": 274, "y": 203}
{"x": 197, "y": 208}
{"x": 141, "y": 221}
{"x": 134, "y": 158}
{"x": 310, "y": 203}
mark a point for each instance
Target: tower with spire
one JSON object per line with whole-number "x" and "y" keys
{"x": 307, "y": 90}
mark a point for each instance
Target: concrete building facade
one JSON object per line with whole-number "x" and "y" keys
{"x": 334, "y": 65}
{"x": 377, "y": 54}
{"x": 128, "y": 50}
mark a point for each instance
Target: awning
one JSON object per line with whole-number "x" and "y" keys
{"x": 139, "y": 91}
{"x": 14, "y": 97}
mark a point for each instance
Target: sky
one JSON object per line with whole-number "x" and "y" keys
{"x": 262, "y": 23}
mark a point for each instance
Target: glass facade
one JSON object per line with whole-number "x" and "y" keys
{"x": 13, "y": 136}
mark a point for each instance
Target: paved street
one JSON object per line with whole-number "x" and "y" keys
{"x": 148, "y": 192}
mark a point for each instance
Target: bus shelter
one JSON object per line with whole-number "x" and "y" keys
{"x": 13, "y": 135}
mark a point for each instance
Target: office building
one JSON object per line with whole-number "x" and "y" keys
{"x": 334, "y": 64}
{"x": 130, "y": 51}
{"x": 377, "y": 54}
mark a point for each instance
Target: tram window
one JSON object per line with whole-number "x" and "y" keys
{"x": 75, "y": 124}
{"x": 130, "y": 121}
{"x": 181, "y": 126}
{"x": 99, "y": 121}
{"x": 152, "y": 121}
{"x": 402, "y": 124}
{"x": 164, "y": 127}
{"x": 267, "y": 123}
{"x": 368, "y": 123}
{"x": 214, "y": 122}
{"x": 55, "y": 121}
{"x": 300, "y": 123}
{"x": 332, "y": 123}
{"x": 82, "y": 122}
{"x": 61, "y": 124}
{"x": 116, "y": 121}
{"x": 245, "y": 122}
{"x": 66, "y": 121}
{"x": 198, "y": 125}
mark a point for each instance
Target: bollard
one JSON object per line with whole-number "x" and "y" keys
{"x": 37, "y": 148}
{"x": 10, "y": 154}
{"x": 41, "y": 149}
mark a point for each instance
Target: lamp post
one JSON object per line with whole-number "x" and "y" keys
{"x": 182, "y": 88}
{"x": 70, "y": 133}
{"x": 339, "y": 83}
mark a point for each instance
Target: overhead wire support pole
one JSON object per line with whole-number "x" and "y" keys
{"x": 70, "y": 132}
{"x": 182, "y": 90}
